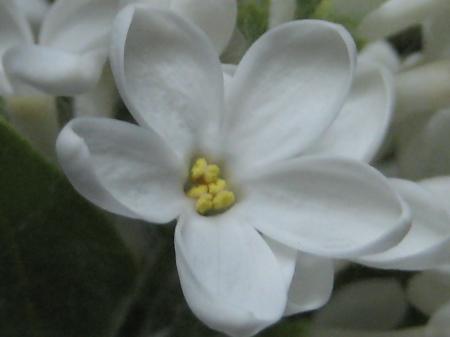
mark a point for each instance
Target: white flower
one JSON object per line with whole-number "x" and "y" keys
{"x": 381, "y": 52}
{"x": 35, "y": 11}
{"x": 73, "y": 42}
{"x": 393, "y": 16}
{"x": 427, "y": 244}
{"x": 236, "y": 264}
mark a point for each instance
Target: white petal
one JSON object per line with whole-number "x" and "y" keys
{"x": 423, "y": 89}
{"x": 79, "y": 26}
{"x": 440, "y": 187}
{"x": 436, "y": 34}
{"x": 294, "y": 78}
{"x": 429, "y": 290}
{"x": 383, "y": 53}
{"x": 427, "y": 244}
{"x": 374, "y": 304}
{"x": 35, "y": 10}
{"x": 311, "y": 285}
{"x": 325, "y": 206}
{"x": 14, "y": 30}
{"x": 53, "y": 71}
{"x": 169, "y": 76}
{"x": 393, "y": 16}
{"x": 123, "y": 168}
{"x": 427, "y": 154}
{"x": 363, "y": 122}
{"x": 286, "y": 258}
{"x": 99, "y": 102}
{"x": 230, "y": 277}
{"x": 216, "y": 18}
{"x": 229, "y": 69}
{"x": 413, "y": 60}
{"x": 281, "y": 12}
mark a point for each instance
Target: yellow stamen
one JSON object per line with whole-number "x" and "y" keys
{"x": 197, "y": 191}
{"x": 209, "y": 188}
{"x": 204, "y": 203}
{"x": 199, "y": 168}
{"x": 217, "y": 186}
{"x": 223, "y": 200}
{"x": 212, "y": 173}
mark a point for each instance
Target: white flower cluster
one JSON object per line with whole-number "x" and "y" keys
{"x": 268, "y": 165}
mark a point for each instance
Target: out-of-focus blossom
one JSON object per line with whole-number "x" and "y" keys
{"x": 237, "y": 239}
{"x": 73, "y": 42}
{"x": 383, "y": 53}
{"x": 394, "y": 16}
{"x": 374, "y": 308}
{"x": 427, "y": 244}
{"x": 35, "y": 11}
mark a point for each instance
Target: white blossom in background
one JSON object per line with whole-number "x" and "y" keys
{"x": 427, "y": 244}
{"x": 69, "y": 56}
{"x": 393, "y": 16}
{"x": 376, "y": 307}
{"x": 35, "y": 115}
{"x": 382, "y": 53}
{"x": 35, "y": 11}
{"x": 422, "y": 84}
{"x": 286, "y": 203}
{"x": 73, "y": 43}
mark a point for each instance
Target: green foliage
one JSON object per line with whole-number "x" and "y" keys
{"x": 253, "y": 18}
{"x": 324, "y": 11}
{"x": 306, "y": 8}
{"x": 64, "y": 270}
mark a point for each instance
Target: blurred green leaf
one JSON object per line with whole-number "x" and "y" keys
{"x": 64, "y": 270}
{"x": 306, "y": 8}
{"x": 253, "y": 18}
{"x": 3, "y": 113}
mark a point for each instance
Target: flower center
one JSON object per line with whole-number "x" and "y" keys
{"x": 206, "y": 185}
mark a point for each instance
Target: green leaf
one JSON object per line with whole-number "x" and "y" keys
{"x": 253, "y": 18}
{"x": 306, "y": 8}
{"x": 64, "y": 270}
